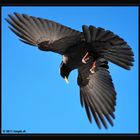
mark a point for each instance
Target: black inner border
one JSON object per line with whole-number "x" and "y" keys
{"x": 67, "y": 3}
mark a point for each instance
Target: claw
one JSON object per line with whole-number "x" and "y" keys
{"x": 92, "y": 70}
{"x": 85, "y": 58}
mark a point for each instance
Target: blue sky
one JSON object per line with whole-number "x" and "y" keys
{"x": 34, "y": 96}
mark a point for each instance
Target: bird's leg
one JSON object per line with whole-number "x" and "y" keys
{"x": 85, "y": 58}
{"x": 92, "y": 70}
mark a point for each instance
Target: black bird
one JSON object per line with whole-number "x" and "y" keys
{"x": 88, "y": 51}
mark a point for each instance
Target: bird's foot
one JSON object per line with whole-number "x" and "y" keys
{"x": 85, "y": 58}
{"x": 92, "y": 70}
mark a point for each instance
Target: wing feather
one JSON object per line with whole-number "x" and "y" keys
{"x": 97, "y": 95}
{"x": 43, "y": 33}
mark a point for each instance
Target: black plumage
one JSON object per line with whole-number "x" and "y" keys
{"x": 88, "y": 51}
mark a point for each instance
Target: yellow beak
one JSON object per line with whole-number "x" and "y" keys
{"x": 66, "y": 79}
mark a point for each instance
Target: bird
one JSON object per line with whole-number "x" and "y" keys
{"x": 88, "y": 51}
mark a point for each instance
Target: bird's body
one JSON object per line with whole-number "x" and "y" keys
{"x": 88, "y": 52}
{"x": 74, "y": 56}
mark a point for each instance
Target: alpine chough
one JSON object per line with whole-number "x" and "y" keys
{"x": 88, "y": 51}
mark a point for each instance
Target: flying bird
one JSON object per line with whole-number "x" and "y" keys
{"x": 88, "y": 51}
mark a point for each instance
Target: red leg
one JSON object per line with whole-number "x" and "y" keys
{"x": 85, "y": 58}
{"x": 92, "y": 70}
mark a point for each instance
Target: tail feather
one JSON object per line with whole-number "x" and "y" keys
{"x": 107, "y": 36}
{"x": 101, "y": 34}
{"x": 122, "y": 51}
{"x": 86, "y": 32}
{"x": 117, "y": 62}
{"x": 116, "y": 41}
{"x": 123, "y": 60}
{"x": 122, "y": 56}
{"x": 111, "y": 47}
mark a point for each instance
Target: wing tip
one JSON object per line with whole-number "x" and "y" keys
{"x": 16, "y": 14}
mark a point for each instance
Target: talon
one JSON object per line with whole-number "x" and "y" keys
{"x": 92, "y": 70}
{"x": 83, "y": 61}
{"x": 85, "y": 58}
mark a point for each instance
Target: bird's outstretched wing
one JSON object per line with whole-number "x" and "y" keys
{"x": 44, "y": 33}
{"x": 97, "y": 92}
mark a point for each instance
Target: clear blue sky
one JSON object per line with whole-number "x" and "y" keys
{"x": 34, "y": 96}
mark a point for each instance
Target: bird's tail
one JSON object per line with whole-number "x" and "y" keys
{"x": 121, "y": 55}
{"x": 110, "y": 46}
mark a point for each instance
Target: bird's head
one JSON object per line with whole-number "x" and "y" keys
{"x": 65, "y": 71}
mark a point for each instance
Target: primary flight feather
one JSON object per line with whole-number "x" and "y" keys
{"x": 88, "y": 51}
